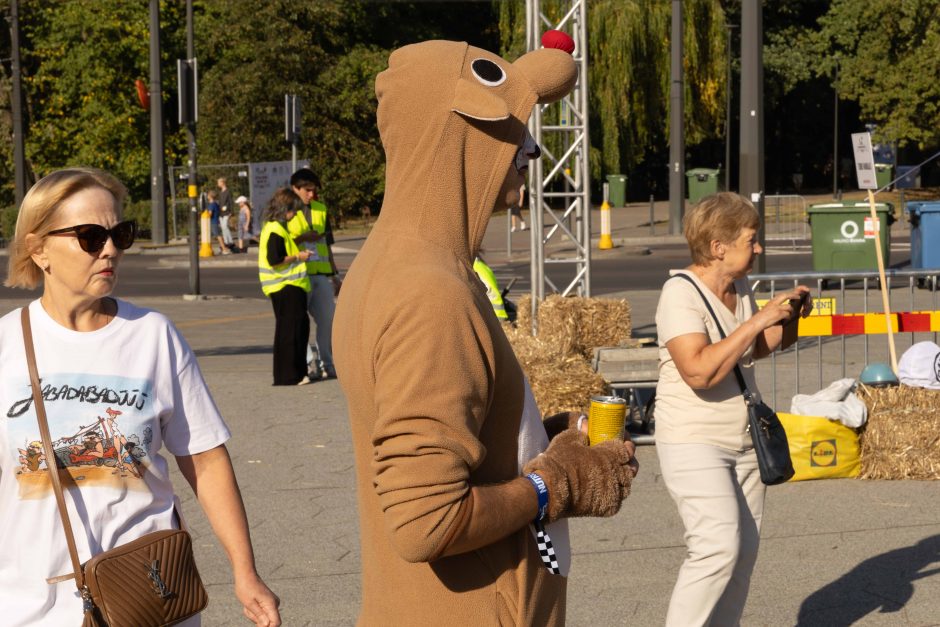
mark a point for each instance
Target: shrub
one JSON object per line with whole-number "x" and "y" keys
{"x": 140, "y": 211}
{"x": 8, "y": 222}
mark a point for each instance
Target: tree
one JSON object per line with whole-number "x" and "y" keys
{"x": 629, "y": 61}
{"x": 887, "y": 57}
{"x": 79, "y": 69}
{"x": 888, "y": 54}
{"x": 81, "y": 58}
{"x": 252, "y": 54}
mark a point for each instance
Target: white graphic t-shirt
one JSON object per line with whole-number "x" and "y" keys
{"x": 114, "y": 398}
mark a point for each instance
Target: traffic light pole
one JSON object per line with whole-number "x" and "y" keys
{"x": 157, "y": 161}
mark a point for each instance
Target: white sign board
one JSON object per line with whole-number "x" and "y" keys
{"x": 264, "y": 179}
{"x": 864, "y": 161}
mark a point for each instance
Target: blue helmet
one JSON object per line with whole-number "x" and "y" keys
{"x": 878, "y": 375}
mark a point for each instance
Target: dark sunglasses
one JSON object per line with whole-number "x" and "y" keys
{"x": 92, "y": 237}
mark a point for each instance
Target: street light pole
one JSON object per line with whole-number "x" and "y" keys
{"x": 192, "y": 184}
{"x": 835, "y": 134}
{"x": 676, "y": 125}
{"x": 751, "y": 166}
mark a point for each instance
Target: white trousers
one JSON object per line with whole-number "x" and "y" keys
{"x": 721, "y": 500}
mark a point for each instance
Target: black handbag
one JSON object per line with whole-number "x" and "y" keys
{"x": 770, "y": 440}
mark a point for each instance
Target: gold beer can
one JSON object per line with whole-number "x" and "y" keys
{"x": 606, "y": 418}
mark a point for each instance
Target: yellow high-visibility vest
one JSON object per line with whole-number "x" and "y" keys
{"x": 319, "y": 262}
{"x": 492, "y": 288}
{"x": 276, "y": 278}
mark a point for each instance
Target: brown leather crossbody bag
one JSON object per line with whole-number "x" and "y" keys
{"x": 149, "y": 582}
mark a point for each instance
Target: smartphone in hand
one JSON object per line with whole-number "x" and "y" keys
{"x": 797, "y": 305}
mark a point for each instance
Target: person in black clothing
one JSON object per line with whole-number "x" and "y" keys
{"x": 225, "y": 213}
{"x": 283, "y": 275}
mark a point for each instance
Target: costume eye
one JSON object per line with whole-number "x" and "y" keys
{"x": 488, "y": 72}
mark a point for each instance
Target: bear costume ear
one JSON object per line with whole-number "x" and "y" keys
{"x": 475, "y": 101}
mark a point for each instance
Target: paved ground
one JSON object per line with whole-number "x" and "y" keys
{"x": 838, "y": 552}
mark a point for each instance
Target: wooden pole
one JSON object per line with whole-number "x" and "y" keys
{"x": 881, "y": 277}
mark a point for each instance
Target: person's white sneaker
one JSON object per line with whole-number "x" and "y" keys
{"x": 512, "y": 229}
{"x": 523, "y": 226}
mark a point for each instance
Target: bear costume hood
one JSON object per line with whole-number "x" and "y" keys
{"x": 451, "y": 139}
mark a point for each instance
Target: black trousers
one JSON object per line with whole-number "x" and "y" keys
{"x": 291, "y": 334}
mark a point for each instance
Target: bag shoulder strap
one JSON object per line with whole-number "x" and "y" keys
{"x": 52, "y": 465}
{"x": 737, "y": 370}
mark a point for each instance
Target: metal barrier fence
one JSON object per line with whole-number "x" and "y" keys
{"x": 840, "y": 356}
{"x": 785, "y": 217}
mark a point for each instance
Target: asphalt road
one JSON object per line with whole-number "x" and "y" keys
{"x": 626, "y": 268}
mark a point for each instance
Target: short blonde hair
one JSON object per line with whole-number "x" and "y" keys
{"x": 721, "y": 217}
{"x": 38, "y": 211}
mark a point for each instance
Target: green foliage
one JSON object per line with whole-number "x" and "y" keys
{"x": 80, "y": 59}
{"x": 252, "y": 54}
{"x": 629, "y": 68}
{"x": 140, "y": 211}
{"x": 629, "y": 74}
{"x": 8, "y": 217}
{"x": 328, "y": 53}
{"x": 344, "y": 139}
{"x": 80, "y": 65}
{"x": 887, "y": 55}
{"x": 7, "y": 172}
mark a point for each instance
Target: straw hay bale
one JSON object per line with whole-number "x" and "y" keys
{"x": 579, "y": 324}
{"x": 902, "y": 437}
{"x": 560, "y": 381}
{"x": 557, "y": 362}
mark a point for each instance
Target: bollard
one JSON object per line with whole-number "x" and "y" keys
{"x": 605, "y": 243}
{"x": 652, "y": 215}
{"x": 205, "y": 249}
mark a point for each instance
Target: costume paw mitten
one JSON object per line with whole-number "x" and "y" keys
{"x": 583, "y": 480}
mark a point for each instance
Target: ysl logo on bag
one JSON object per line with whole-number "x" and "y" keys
{"x": 158, "y": 586}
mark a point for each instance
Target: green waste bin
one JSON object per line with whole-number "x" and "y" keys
{"x": 617, "y": 189}
{"x": 883, "y": 172}
{"x": 702, "y": 182}
{"x": 844, "y": 236}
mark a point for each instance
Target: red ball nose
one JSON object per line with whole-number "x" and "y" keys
{"x": 558, "y": 39}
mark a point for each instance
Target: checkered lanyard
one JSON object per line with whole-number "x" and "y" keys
{"x": 546, "y": 548}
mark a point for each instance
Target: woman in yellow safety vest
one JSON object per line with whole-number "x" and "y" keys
{"x": 283, "y": 274}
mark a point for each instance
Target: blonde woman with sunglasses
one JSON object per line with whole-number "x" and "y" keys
{"x": 100, "y": 357}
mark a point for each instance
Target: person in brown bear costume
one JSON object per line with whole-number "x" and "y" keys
{"x": 456, "y": 478}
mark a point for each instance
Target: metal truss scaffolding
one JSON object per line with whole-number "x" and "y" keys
{"x": 559, "y": 182}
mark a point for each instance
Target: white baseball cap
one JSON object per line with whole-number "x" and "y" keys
{"x": 920, "y": 366}
{"x": 240, "y": 200}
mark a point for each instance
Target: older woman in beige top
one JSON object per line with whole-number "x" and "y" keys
{"x": 705, "y": 452}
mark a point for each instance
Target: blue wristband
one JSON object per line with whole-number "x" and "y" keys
{"x": 541, "y": 490}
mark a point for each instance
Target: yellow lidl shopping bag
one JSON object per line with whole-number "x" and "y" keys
{"x": 820, "y": 448}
